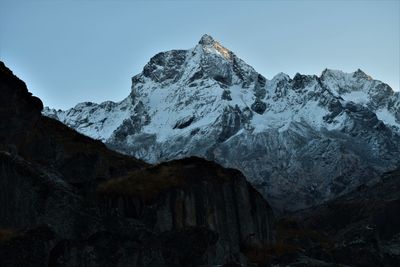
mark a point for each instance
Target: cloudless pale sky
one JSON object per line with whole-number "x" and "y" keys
{"x": 73, "y": 51}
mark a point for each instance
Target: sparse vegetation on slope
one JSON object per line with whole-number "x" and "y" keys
{"x": 148, "y": 183}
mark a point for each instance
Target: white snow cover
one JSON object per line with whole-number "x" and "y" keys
{"x": 168, "y": 102}
{"x": 388, "y": 118}
{"x": 299, "y": 140}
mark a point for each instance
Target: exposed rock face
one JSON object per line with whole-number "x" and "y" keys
{"x": 189, "y": 192}
{"x": 301, "y": 141}
{"x": 66, "y": 200}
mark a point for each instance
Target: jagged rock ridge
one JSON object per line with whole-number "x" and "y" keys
{"x": 300, "y": 140}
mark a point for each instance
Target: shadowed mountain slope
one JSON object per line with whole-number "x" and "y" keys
{"x": 67, "y": 200}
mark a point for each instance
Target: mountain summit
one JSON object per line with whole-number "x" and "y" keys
{"x": 210, "y": 45}
{"x": 206, "y": 40}
{"x": 300, "y": 141}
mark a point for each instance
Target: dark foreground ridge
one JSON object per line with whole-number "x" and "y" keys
{"x": 66, "y": 200}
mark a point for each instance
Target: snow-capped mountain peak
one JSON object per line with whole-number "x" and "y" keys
{"x": 300, "y": 140}
{"x": 208, "y": 60}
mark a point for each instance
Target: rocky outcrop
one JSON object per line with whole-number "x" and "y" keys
{"x": 193, "y": 192}
{"x": 67, "y": 200}
{"x": 21, "y": 110}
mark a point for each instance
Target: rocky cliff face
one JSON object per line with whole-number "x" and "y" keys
{"x": 185, "y": 193}
{"x": 69, "y": 201}
{"x": 300, "y": 141}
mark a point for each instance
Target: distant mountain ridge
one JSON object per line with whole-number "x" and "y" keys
{"x": 300, "y": 141}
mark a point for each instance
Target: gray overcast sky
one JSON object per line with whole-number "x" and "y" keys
{"x": 73, "y": 51}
